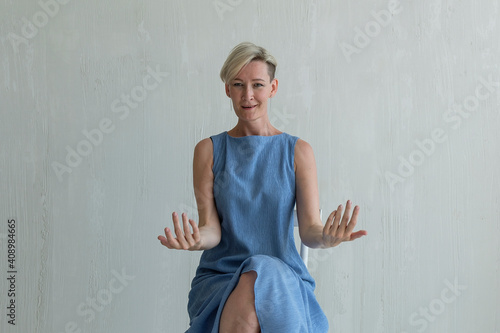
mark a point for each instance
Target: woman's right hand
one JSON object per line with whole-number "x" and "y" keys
{"x": 185, "y": 240}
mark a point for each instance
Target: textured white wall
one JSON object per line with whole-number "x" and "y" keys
{"x": 397, "y": 107}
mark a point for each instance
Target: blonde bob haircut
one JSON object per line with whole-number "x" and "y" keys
{"x": 241, "y": 55}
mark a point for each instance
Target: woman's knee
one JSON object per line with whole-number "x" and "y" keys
{"x": 239, "y": 313}
{"x": 248, "y": 280}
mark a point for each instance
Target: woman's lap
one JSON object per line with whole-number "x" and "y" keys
{"x": 283, "y": 301}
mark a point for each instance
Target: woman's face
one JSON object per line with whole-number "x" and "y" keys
{"x": 250, "y": 90}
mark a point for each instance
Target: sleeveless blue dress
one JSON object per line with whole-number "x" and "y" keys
{"x": 254, "y": 191}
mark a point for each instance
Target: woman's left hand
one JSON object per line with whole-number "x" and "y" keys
{"x": 339, "y": 228}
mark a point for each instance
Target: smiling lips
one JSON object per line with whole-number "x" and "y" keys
{"x": 248, "y": 107}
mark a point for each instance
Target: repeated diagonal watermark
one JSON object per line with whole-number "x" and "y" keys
{"x": 95, "y": 136}
{"x": 425, "y": 315}
{"x": 280, "y": 118}
{"x": 30, "y": 28}
{"x": 372, "y": 29}
{"x": 88, "y": 309}
{"x": 454, "y": 116}
{"x": 318, "y": 256}
{"x": 223, "y": 6}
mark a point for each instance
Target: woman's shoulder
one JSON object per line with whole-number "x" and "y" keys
{"x": 204, "y": 149}
{"x": 203, "y": 143}
{"x": 207, "y": 143}
{"x": 304, "y": 154}
{"x": 302, "y": 146}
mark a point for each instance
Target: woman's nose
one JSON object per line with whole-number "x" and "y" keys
{"x": 248, "y": 93}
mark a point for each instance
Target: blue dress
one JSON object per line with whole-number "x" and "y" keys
{"x": 254, "y": 191}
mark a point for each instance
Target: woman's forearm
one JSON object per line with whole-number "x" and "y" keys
{"x": 312, "y": 237}
{"x": 209, "y": 238}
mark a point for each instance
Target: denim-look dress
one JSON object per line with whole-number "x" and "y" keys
{"x": 254, "y": 191}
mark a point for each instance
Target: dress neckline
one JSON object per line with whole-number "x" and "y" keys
{"x": 253, "y": 136}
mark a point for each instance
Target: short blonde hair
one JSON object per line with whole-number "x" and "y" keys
{"x": 241, "y": 55}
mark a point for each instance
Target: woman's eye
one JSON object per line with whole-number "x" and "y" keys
{"x": 259, "y": 85}
{"x": 237, "y": 84}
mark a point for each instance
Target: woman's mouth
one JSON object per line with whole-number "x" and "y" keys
{"x": 248, "y": 107}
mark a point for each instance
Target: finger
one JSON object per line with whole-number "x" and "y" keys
{"x": 178, "y": 231}
{"x": 346, "y": 216}
{"x": 162, "y": 240}
{"x": 358, "y": 234}
{"x": 169, "y": 241}
{"x": 196, "y": 231}
{"x": 338, "y": 215}
{"x": 187, "y": 229}
{"x": 329, "y": 222}
{"x": 353, "y": 221}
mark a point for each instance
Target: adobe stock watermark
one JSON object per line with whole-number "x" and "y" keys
{"x": 421, "y": 318}
{"x": 103, "y": 298}
{"x": 453, "y": 116}
{"x": 363, "y": 37}
{"x": 222, "y": 6}
{"x": 317, "y": 256}
{"x": 280, "y": 118}
{"x": 94, "y": 137}
{"x": 30, "y": 29}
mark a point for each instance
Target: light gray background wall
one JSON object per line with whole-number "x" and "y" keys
{"x": 402, "y": 111}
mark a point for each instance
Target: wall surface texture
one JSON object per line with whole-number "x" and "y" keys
{"x": 102, "y": 103}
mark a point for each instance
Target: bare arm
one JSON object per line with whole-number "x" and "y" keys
{"x": 208, "y": 232}
{"x": 313, "y": 234}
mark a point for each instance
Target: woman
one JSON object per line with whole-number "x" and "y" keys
{"x": 246, "y": 182}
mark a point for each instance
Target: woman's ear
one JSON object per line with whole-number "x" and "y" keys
{"x": 274, "y": 87}
{"x": 227, "y": 90}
